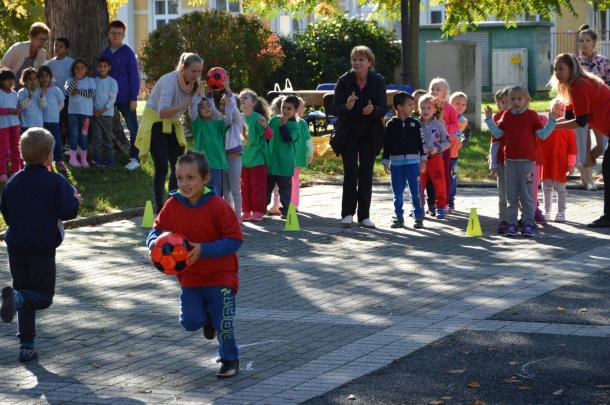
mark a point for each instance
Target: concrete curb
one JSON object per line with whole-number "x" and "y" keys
{"x": 98, "y": 219}
{"x": 461, "y": 184}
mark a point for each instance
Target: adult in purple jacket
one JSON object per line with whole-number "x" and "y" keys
{"x": 125, "y": 71}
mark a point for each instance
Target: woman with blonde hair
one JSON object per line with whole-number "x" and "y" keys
{"x": 161, "y": 132}
{"x": 599, "y": 65}
{"x": 590, "y": 99}
{"x": 360, "y": 105}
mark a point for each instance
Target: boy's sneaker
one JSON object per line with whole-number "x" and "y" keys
{"x": 96, "y": 162}
{"x": 419, "y": 224}
{"x": 511, "y": 230}
{"x": 539, "y": 217}
{"x": 133, "y": 164}
{"x": 560, "y": 217}
{"x": 441, "y": 213}
{"x": 347, "y": 221}
{"x": 228, "y": 369}
{"x": 527, "y": 230}
{"x": 502, "y": 227}
{"x": 284, "y": 216}
{"x": 275, "y": 211}
{"x": 26, "y": 354}
{"x": 247, "y": 216}
{"x": 209, "y": 332}
{"x": 398, "y": 222}
{"x": 257, "y": 217}
{"x": 9, "y": 305}
{"x": 432, "y": 210}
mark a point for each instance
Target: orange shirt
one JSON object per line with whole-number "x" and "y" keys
{"x": 588, "y": 98}
{"x": 558, "y": 154}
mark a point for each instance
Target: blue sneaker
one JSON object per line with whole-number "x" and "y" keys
{"x": 527, "y": 230}
{"x": 441, "y": 213}
{"x": 511, "y": 230}
{"x": 26, "y": 354}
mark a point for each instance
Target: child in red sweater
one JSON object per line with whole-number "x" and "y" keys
{"x": 520, "y": 127}
{"x": 558, "y": 159}
{"x": 209, "y": 282}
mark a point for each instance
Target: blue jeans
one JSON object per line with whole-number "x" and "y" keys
{"x": 75, "y": 123}
{"x": 453, "y": 168}
{"x": 400, "y": 175}
{"x": 216, "y": 180}
{"x": 200, "y": 306}
{"x": 55, "y": 130}
{"x": 131, "y": 120}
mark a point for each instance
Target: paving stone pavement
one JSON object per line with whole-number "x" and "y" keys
{"x": 316, "y": 308}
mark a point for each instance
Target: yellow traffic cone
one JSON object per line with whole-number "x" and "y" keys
{"x": 292, "y": 220}
{"x": 148, "y": 218}
{"x": 474, "y": 226}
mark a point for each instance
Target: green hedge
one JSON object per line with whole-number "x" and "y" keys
{"x": 322, "y": 52}
{"x": 244, "y": 45}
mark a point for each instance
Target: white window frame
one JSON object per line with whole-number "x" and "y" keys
{"x": 214, "y": 5}
{"x": 436, "y": 8}
{"x": 167, "y": 17}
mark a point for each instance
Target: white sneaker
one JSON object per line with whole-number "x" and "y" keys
{"x": 560, "y": 217}
{"x": 547, "y": 216}
{"x": 367, "y": 223}
{"x": 133, "y": 164}
{"x": 347, "y": 221}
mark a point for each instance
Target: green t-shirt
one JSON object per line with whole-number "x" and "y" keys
{"x": 282, "y": 153}
{"x": 255, "y": 147}
{"x": 210, "y": 139}
{"x": 301, "y": 145}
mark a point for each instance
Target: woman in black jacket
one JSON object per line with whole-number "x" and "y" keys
{"x": 360, "y": 104}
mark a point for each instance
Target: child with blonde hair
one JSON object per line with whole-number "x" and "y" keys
{"x": 559, "y": 155}
{"x": 439, "y": 88}
{"x": 520, "y": 127}
{"x": 459, "y": 101}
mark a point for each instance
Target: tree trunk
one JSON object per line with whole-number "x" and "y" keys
{"x": 409, "y": 29}
{"x": 83, "y": 22}
{"x": 414, "y": 43}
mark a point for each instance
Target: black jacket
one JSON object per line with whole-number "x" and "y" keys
{"x": 403, "y": 139}
{"x": 352, "y": 122}
{"x": 32, "y": 202}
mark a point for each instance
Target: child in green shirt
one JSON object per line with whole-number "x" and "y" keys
{"x": 282, "y": 151}
{"x": 304, "y": 153}
{"x": 209, "y": 131}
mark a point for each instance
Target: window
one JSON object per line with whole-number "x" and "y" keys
{"x": 604, "y": 19}
{"x": 228, "y": 5}
{"x": 436, "y": 17}
{"x": 165, "y": 11}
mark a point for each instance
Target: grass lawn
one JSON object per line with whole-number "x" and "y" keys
{"x": 472, "y": 164}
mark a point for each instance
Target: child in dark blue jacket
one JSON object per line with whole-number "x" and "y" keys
{"x": 405, "y": 158}
{"x": 33, "y": 204}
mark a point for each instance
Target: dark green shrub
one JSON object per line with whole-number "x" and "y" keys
{"x": 322, "y": 53}
{"x": 244, "y": 45}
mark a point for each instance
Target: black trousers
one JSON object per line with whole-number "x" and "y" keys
{"x": 34, "y": 278}
{"x": 430, "y": 194}
{"x": 284, "y": 185}
{"x": 358, "y": 157}
{"x": 606, "y": 174}
{"x": 165, "y": 150}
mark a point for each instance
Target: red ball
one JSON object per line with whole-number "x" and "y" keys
{"x": 169, "y": 253}
{"x": 215, "y": 78}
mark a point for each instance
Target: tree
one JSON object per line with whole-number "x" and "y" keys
{"x": 461, "y": 15}
{"x": 84, "y": 22}
{"x": 16, "y": 19}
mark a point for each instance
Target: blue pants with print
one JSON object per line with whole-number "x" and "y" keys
{"x": 201, "y": 306}
{"x": 400, "y": 176}
{"x": 77, "y": 138}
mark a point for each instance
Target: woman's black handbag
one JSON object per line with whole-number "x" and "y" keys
{"x": 338, "y": 137}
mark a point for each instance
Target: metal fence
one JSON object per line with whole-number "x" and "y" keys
{"x": 568, "y": 42}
